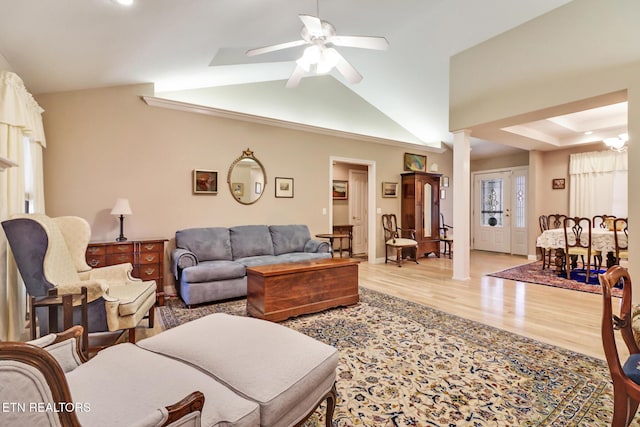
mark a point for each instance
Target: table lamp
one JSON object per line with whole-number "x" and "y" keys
{"x": 121, "y": 208}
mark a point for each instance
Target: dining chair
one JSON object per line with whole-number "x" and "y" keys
{"x": 556, "y": 220}
{"x": 622, "y": 246}
{"x": 576, "y": 245}
{"x": 600, "y": 221}
{"x": 446, "y": 236}
{"x": 543, "y": 221}
{"x": 393, "y": 238}
{"x": 625, "y": 376}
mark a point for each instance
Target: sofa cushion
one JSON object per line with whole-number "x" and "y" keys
{"x": 289, "y": 238}
{"x": 208, "y": 244}
{"x": 291, "y": 375}
{"x": 301, "y": 256}
{"x": 253, "y": 261}
{"x": 250, "y": 240}
{"x": 125, "y": 383}
{"x": 209, "y": 271}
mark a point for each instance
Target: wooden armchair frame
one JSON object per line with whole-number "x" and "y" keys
{"x": 48, "y": 366}
{"x": 626, "y": 392}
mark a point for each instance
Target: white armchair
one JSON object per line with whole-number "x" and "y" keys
{"x": 50, "y": 255}
{"x": 41, "y": 382}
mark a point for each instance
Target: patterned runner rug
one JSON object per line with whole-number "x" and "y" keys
{"x": 404, "y": 364}
{"x": 533, "y": 273}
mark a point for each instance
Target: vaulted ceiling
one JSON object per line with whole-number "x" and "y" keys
{"x": 193, "y": 50}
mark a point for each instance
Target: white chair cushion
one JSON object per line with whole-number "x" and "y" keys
{"x": 401, "y": 242}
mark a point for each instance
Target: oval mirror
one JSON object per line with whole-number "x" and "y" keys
{"x": 246, "y": 178}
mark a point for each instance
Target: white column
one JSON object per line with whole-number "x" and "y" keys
{"x": 461, "y": 204}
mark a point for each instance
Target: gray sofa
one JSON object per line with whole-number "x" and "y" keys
{"x": 210, "y": 263}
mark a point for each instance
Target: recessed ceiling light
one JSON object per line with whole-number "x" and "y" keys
{"x": 124, "y": 2}
{"x": 589, "y": 132}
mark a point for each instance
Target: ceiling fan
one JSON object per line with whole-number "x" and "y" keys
{"x": 320, "y": 56}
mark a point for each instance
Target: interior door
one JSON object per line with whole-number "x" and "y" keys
{"x": 358, "y": 209}
{"x": 492, "y": 212}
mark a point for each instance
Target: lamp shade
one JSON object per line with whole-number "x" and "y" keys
{"x": 121, "y": 207}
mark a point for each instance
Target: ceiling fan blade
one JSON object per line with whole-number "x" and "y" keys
{"x": 364, "y": 42}
{"x": 273, "y": 48}
{"x": 295, "y": 77}
{"x": 313, "y": 25}
{"x": 348, "y": 71}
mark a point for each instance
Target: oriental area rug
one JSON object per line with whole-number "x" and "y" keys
{"x": 533, "y": 273}
{"x": 404, "y": 364}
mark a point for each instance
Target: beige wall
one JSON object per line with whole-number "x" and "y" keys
{"x": 107, "y": 143}
{"x": 501, "y": 162}
{"x": 556, "y": 85}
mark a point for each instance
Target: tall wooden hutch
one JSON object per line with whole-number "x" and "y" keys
{"x": 421, "y": 210}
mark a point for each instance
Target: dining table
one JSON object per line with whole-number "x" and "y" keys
{"x": 602, "y": 239}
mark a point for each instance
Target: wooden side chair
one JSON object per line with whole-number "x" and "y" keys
{"x": 625, "y": 376}
{"x": 622, "y": 245}
{"x": 600, "y": 221}
{"x": 394, "y": 239}
{"x": 446, "y": 236}
{"x": 543, "y": 221}
{"x": 556, "y": 220}
{"x": 575, "y": 244}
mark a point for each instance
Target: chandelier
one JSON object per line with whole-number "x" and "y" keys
{"x": 618, "y": 143}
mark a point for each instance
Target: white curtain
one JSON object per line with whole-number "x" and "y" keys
{"x": 598, "y": 184}
{"x": 20, "y": 121}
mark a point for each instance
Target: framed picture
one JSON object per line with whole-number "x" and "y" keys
{"x": 205, "y": 182}
{"x": 415, "y": 162}
{"x": 284, "y": 187}
{"x": 444, "y": 181}
{"x": 389, "y": 189}
{"x": 340, "y": 190}
{"x": 238, "y": 189}
{"x": 557, "y": 183}
{"x": 258, "y": 189}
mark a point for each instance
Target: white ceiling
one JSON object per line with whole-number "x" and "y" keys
{"x": 75, "y": 44}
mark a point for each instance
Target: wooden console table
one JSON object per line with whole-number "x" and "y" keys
{"x": 146, "y": 256}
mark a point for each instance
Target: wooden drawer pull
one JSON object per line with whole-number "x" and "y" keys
{"x": 150, "y": 257}
{"x": 149, "y": 246}
{"x": 93, "y": 250}
{"x": 149, "y": 271}
{"x": 94, "y": 263}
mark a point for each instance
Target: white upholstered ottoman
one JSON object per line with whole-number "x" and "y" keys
{"x": 288, "y": 374}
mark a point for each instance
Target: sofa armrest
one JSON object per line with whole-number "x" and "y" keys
{"x": 316, "y": 246}
{"x": 182, "y": 258}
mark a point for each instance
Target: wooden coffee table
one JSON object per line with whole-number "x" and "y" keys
{"x": 279, "y": 291}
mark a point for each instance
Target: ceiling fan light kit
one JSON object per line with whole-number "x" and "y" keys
{"x": 320, "y": 57}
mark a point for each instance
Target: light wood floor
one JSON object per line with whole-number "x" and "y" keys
{"x": 562, "y": 317}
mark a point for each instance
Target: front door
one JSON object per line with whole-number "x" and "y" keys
{"x": 492, "y": 212}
